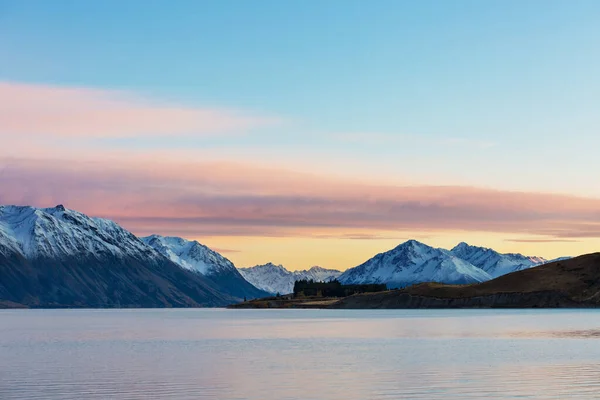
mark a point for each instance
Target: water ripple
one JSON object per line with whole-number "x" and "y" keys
{"x": 205, "y": 354}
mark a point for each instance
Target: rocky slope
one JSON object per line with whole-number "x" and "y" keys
{"x": 198, "y": 258}
{"x": 55, "y": 257}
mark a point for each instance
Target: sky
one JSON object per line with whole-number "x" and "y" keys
{"x": 309, "y": 132}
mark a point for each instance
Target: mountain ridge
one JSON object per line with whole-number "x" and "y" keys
{"x": 277, "y": 279}
{"x": 462, "y": 264}
{"x": 39, "y": 244}
{"x": 196, "y": 257}
{"x": 574, "y": 282}
{"x": 56, "y": 257}
{"x": 413, "y": 262}
{"x": 494, "y": 263}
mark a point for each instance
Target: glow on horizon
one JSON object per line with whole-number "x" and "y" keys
{"x": 298, "y": 253}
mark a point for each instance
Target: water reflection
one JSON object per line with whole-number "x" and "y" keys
{"x": 312, "y": 354}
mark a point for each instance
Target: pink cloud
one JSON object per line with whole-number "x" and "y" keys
{"x": 217, "y": 198}
{"x": 50, "y": 111}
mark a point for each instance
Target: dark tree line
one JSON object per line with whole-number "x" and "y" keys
{"x": 333, "y": 288}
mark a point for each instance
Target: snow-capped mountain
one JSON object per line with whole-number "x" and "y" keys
{"x": 494, "y": 263}
{"x": 58, "y": 232}
{"x": 276, "y": 279}
{"x": 414, "y": 262}
{"x": 317, "y": 274}
{"x": 553, "y": 260}
{"x": 55, "y": 257}
{"x": 196, "y": 257}
{"x": 270, "y": 277}
{"x": 190, "y": 254}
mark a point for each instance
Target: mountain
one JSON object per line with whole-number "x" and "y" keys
{"x": 494, "y": 263}
{"x": 55, "y": 257}
{"x": 276, "y": 279}
{"x": 317, "y": 274}
{"x": 573, "y": 282}
{"x": 198, "y": 258}
{"x": 553, "y": 260}
{"x": 270, "y": 277}
{"x": 413, "y": 262}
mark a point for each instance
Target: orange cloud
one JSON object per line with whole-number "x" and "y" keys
{"x": 50, "y": 111}
{"x": 219, "y": 198}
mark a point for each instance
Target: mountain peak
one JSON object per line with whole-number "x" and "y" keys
{"x": 414, "y": 262}
{"x": 52, "y": 233}
{"x": 271, "y": 265}
{"x": 412, "y": 244}
{"x": 463, "y": 248}
{"x": 189, "y": 254}
{"x": 493, "y": 262}
{"x": 194, "y": 256}
{"x": 59, "y": 248}
{"x": 276, "y": 279}
{"x": 462, "y": 245}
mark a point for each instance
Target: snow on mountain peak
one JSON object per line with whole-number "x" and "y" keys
{"x": 59, "y": 232}
{"x": 461, "y": 246}
{"x": 414, "y": 262}
{"x": 493, "y": 262}
{"x": 277, "y": 279}
{"x": 190, "y": 254}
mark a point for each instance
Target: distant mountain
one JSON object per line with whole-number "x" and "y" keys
{"x": 317, "y": 274}
{"x": 55, "y": 257}
{"x": 276, "y": 279}
{"x": 197, "y": 257}
{"x": 494, "y": 263}
{"x": 414, "y": 262}
{"x": 270, "y": 277}
{"x": 553, "y": 260}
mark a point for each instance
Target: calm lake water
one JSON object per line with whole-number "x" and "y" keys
{"x": 299, "y": 354}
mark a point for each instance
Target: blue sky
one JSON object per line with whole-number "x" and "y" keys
{"x": 384, "y": 66}
{"x": 501, "y": 95}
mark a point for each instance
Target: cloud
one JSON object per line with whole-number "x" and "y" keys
{"x": 550, "y": 240}
{"x": 360, "y": 236}
{"x": 42, "y": 111}
{"x": 196, "y": 198}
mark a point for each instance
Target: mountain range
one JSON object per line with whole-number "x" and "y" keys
{"x": 56, "y": 257}
{"x": 572, "y": 283}
{"x": 276, "y": 279}
{"x": 414, "y": 262}
{"x": 409, "y": 263}
{"x": 494, "y": 263}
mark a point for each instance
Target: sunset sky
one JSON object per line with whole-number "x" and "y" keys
{"x": 309, "y": 132}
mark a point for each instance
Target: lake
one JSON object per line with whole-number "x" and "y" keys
{"x": 299, "y": 354}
